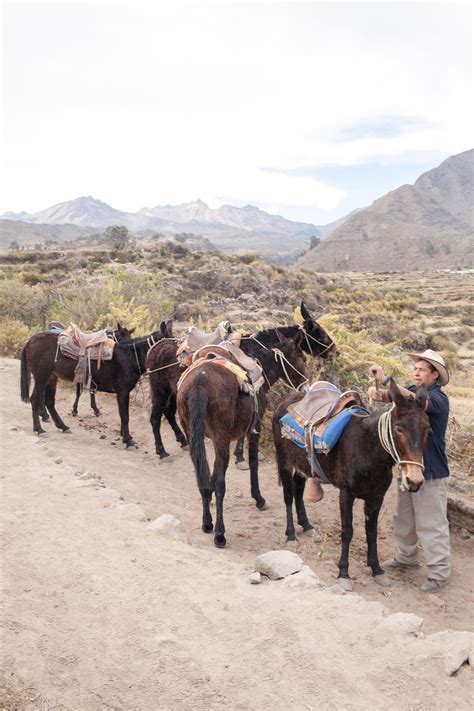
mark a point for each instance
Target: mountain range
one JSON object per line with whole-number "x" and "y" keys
{"x": 427, "y": 225}
{"x": 229, "y": 227}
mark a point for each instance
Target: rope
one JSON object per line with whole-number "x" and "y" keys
{"x": 387, "y": 440}
{"x": 308, "y": 335}
{"x": 280, "y": 356}
{"x": 155, "y": 370}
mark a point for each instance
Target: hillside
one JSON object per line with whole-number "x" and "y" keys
{"x": 27, "y": 234}
{"x": 428, "y": 225}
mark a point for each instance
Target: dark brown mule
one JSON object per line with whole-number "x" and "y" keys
{"x": 119, "y": 375}
{"x": 210, "y": 403}
{"x": 164, "y": 370}
{"x": 121, "y": 333}
{"x": 359, "y": 467}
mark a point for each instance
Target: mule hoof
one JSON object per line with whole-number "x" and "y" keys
{"x": 185, "y": 447}
{"x": 130, "y": 444}
{"x": 220, "y": 541}
{"x": 97, "y": 413}
{"x": 43, "y": 434}
{"x": 345, "y": 584}
{"x": 73, "y": 414}
{"x": 207, "y": 527}
{"x": 292, "y": 544}
{"x": 243, "y": 466}
{"x": 68, "y": 430}
{"x": 263, "y": 506}
{"x": 383, "y": 580}
{"x": 166, "y": 459}
{"x": 314, "y": 535}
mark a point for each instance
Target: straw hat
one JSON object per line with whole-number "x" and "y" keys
{"x": 436, "y": 361}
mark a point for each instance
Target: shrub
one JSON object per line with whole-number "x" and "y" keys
{"x": 13, "y": 335}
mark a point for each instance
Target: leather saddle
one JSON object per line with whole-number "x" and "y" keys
{"x": 322, "y": 401}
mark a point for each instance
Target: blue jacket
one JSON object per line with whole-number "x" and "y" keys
{"x": 434, "y": 456}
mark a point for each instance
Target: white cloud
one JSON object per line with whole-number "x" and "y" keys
{"x": 153, "y": 103}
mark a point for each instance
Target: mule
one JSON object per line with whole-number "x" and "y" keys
{"x": 121, "y": 333}
{"x": 164, "y": 370}
{"x": 359, "y": 466}
{"x": 41, "y": 358}
{"x": 211, "y": 403}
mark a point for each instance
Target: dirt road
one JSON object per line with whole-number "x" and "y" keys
{"x": 100, "y": 612}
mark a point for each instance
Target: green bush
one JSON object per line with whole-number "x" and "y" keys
{"x": 13, "y": 336}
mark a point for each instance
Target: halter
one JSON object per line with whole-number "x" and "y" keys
{"x": 308, "y": 335}
{"x": 388, "y": 442}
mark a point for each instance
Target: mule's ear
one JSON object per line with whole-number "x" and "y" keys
{"x": 395, "y": 393}
{"x": 132, "y": 330}
{"x": 279, "y": 335}
{"x": 304, "y": 312}
{"x": 119, "y": 326}
{"x": 422, "y": 396}
{"x": 169, "y": 328}
{"x": 299, "y": 338}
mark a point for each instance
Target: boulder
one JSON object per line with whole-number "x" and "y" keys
{"x": 169, "y": 526}
{"x": 278, "y": 564}
{"x": 403, "y": 623}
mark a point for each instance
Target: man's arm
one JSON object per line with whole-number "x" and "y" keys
{"x": 382, "y": 395}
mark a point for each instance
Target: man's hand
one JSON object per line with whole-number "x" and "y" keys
{"x": 377, "y": 372}
{"x": 375, "y": 394}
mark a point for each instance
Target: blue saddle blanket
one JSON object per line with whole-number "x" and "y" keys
{"x": 56, "y": 331}
{"x": 328, "y": 437}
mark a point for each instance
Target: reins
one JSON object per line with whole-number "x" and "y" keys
{"x": 387, "y": 440}
{"x": 308, "y": 336}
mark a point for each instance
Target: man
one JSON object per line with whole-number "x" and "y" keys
{"x": 421, "y": 516}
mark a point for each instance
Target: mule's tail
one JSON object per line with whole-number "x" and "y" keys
{"x": 24, "y": 378}
{"x": 197, "y": 404}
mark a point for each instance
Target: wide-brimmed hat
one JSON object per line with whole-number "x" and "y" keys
{"x": 436, "y": 361}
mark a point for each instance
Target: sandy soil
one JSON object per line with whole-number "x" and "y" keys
{"x": 100, "y": 612}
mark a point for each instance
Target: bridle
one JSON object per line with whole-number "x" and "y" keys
{"x": 281, "y": 358}
{"x": 387, "y": 441}
{"x": 308, "y": 336}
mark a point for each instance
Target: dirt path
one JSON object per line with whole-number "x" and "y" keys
{"x": 101, "y": 613}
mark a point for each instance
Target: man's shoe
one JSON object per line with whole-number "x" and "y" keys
{"x": 432, "y": 586}
{"x": 394, "y": 564}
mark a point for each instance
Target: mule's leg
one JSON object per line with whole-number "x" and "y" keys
{"x": 253, "y": 464}
{"x": 76, "y": 401}
{"x": 221, "y": 463}
{"x": 38, "y": 406}
{"x": 346, "y": 503}
{"x": 239, "y": 454}
{"x": 299, "y": 485}
{"x": 170, "y": 414}
{"x": 94, "y": 404}
{"x": 372, "y": 511}
{"x": 123, "y": 399}
{"x": 155, "y": 421}
{"x": 50, "y": 398}
{"x": 287, "y": 481}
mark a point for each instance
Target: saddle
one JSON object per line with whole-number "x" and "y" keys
{"x": 248, "y": 372}
{"x": 84, "y": 347}
{"x": 322, "y": 401}
{"x": 197, "y": 339}
{"x": 318, "y": 420}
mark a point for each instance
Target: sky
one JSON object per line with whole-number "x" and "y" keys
{"x": 304, "y": 109}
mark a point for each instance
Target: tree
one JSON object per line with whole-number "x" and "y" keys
{"x": 14, "y": 246}
{"x": 314, "y": 241}
{"x": 117, "y": 236}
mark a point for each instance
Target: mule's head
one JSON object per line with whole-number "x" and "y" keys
{"x": 122, "y": 333}
{"x": 316, "y": 341}
{"x": 410, "y": 427}
{"x": 166, "y": 328}
{"x": 294, "y": 363}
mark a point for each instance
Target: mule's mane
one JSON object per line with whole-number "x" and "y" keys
{"x": 157, "y": 335}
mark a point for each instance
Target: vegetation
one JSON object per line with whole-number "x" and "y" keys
{"x": 372, "y": 318}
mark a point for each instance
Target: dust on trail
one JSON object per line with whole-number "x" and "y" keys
{"x": 101, "y": 612}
